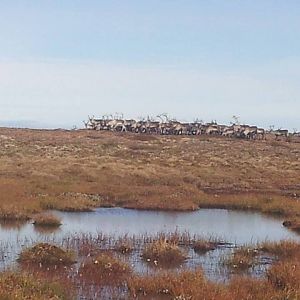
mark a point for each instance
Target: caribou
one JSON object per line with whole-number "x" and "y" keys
{"x": 281, "y": 133}
{"x": 164, "y": 125}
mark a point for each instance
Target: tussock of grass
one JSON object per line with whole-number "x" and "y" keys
{"x": 247, "y": 288}
{"x": 203, "y": 246}
{"x": 124, "y": 246}
{"x": 25, "y": 286}
{"x": 242, "y": 258}
{"x": 246, "y": 257}
{"x": 193, "y": 285}
{"x": 293, "y": 224}
{"x": 47, "y": 220}
{"x": 283, "y": 249}
{"x": 163, "y": 252}
{"x": 105, "y": 269}
{"x": 185, "y": 285}
{"x": 88, "y": 248}
{"x": 176, "y": 237}
{"x": 285, "y": 275}
{"x": 47, "y": 255}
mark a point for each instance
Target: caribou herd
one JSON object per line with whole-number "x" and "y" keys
{"x": 162, "y": 125}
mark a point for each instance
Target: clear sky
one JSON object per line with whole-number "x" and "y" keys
{"x": 61, "y": 60}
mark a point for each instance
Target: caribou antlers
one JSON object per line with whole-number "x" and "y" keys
{"x": 85, "y": 124}
{"x": 165, "y": 125}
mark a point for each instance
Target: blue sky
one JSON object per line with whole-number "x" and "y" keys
{"x": 62, "y": 60}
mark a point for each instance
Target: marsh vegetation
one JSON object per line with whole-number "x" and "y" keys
{"x": 68, "y": 269}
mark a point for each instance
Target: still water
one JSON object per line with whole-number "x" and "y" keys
{"x": 233, "y": 227}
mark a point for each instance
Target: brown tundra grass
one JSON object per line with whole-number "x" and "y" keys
{"x": 246, "y": 257}
{"x": 293, "y": 224}
{"x": 104, "y": 269}
{"x": 193, "y": 285}
{"x": 163, "y": 252}
{"x": 45, "y": 254}
{"x": 109, "y": 270}
{"x": 203, "y": 246}
{"x": 242, "y": 258}
{"x": 13, "y": 213}
{"x": 247, "y": 288}
{"x": 285, "y": 275}
{"x": 124, "y": 246}
{"x": 184, "y": 285}
{"x": 282, "y": 250}
{"x": 47, "y": 220}
{"x": 19, "y": 286}
{"x": 170, "y": 173}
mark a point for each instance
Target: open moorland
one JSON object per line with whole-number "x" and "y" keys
{"x": 79, "y": 170}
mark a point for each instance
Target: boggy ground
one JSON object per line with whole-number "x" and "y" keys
{"x": 104, "y": 273}
{"x": 79, "y": 170}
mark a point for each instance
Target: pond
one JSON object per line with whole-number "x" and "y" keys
{"x": 232, "y": 227}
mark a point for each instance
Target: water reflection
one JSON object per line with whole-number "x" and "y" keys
{"x": 11, "y": 225}
{"x": 231, "y": 226}
{"x": 42, "y": 229}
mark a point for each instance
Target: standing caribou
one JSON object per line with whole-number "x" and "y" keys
{"x": 281, "y": 133}
{"x": 163, "y": 125}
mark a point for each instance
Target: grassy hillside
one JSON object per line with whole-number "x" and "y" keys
{"x": 78, "y": 170}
